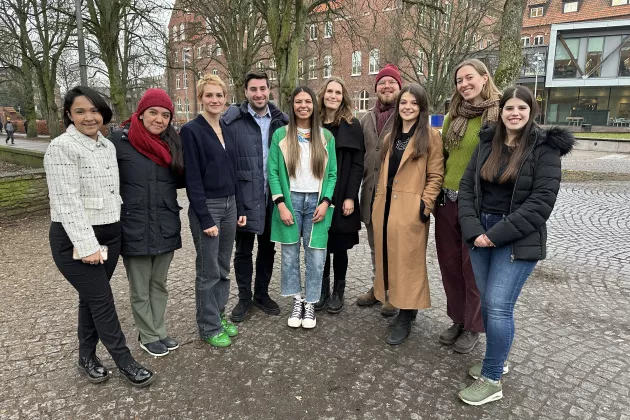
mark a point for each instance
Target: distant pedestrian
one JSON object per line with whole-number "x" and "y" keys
{"x": 475, "y": 103}
{"x": 336, "y": 113}
{"x": 409, "y": 183}
{"x": 302, "y": 175}
{"x": 25, "y": 126}
{"x": 83, "y": 185}
{"x": 151, "y": 167}
{"x": 216, "y": 208}
{"x": 505, "y": 198}
{"x": 10, "y": 129}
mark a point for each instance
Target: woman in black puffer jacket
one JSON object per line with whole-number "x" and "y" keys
{"x": 505, "y": 198}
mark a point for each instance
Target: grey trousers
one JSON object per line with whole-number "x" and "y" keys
{"x": 212, "y": 286}
{"x": 148, "y": 293}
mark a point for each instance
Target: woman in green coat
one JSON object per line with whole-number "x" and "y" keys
{"x": 302, "y": 169}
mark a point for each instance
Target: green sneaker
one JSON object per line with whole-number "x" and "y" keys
{"x": 482, "y": 391}
{"x": 219, "y": 340}
{"x": 475, "y": 370}
{"x": 230, "y": 329}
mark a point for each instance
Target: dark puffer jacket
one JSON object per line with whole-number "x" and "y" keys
{"x": 150, "y": 212}
{"x": 534, "y": 196}
{"x": 250, "y": 170}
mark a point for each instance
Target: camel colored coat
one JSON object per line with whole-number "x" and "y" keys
{"x": 416, "y": 181}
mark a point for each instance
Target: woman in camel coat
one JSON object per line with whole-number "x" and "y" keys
{"x": 410, "y": 181}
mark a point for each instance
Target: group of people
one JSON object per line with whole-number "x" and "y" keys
{"x": 311, "y": 176}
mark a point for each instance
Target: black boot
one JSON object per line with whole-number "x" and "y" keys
{"x": 402, "y": 327}
{"x": 134, "y": 372}
{"x": 325, "y": 295}
{"x": 336, "y": 302}
{"x": 93, "y": 368}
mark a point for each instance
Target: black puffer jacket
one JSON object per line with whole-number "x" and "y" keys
{"x": 150, "y": 212}
{"x": 250, "y": 171}
{"x": 534, "y": 196}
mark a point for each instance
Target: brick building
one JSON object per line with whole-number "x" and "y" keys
{"x": 577, "y": 58}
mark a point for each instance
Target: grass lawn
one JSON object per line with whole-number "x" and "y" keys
{"x": 614, "y": 136}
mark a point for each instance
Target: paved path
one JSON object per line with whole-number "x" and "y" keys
{"x": 571, "y": 357}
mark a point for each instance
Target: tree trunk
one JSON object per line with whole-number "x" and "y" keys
{"x": 47, "y": 87}
{"x": 29, "y": 98}
{"x": 510, "y": 54}
{"x": 288, "y": 73}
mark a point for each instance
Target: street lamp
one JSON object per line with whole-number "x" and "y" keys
{"x": 185, "y": 56}
{"x": 539, "y": 59}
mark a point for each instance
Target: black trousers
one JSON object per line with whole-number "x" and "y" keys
{"x": 97, "y": 314}
{"x": 243, "y": 263}
{"x": 340, "y": 265}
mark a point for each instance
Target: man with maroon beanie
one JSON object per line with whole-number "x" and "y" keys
{"x": 378, "y": 121}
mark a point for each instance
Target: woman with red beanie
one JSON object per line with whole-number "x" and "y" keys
{"x": 151, "y": 165}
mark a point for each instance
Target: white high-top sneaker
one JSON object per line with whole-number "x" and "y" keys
{"x": 295, "y": 320}
{"x": 309, "y": 320}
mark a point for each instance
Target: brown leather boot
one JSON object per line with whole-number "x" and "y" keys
{"x": 367, "y": 298}
{"x": 388, "y": 309}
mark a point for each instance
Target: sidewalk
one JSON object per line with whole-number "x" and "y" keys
{"x": 21, "y": 142}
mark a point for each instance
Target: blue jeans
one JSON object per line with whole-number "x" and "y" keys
{"x": 499, "y": 281}
{"x": 304, "y": 205}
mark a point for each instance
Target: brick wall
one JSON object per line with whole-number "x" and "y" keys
{"x": 23, "y": 194}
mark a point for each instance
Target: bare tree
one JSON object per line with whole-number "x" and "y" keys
{"x": 510, "y": 54}
{"x": 68, "y": 71}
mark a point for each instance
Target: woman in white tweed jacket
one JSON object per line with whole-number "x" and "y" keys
{"x": 83, "y": 185}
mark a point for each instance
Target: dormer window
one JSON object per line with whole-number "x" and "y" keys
{"x": 570, "y": 6}
{"x": 538, "y": 11}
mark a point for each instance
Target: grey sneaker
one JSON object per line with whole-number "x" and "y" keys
{"x": 451, "y": 334}
{"x": 475, "y": 370}
{"x": 482, "y": 391}
{"x": 466, "y": 342}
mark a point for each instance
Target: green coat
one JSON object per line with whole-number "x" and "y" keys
{"x": 279, "y": 185}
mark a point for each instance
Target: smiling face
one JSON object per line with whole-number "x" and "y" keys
{"x": 213, "y": 99}
{"x": 333, "y": 96}
{"x": 470, "y": 84}
{"x": 156, "y": 119}
{"x": 387, "y": 90}
{"x": 86, "y": 117}
{"x": 515, "y": 114}
{"x": 303, "y": 106}
{"x": 257, "y": 94}
{"x": 408, "y": 108}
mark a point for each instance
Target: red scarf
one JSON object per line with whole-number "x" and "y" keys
{"x": 383, "y": 112}
{"x": 148, "y": 144}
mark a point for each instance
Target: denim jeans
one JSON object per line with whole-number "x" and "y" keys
{"x": 304, "y": 205}
{"x": 499, "y": 281}
{"x": 212, "y": 286}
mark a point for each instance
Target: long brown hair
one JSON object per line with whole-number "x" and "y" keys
{"x": 317, "y": 149}
{"x": 344, "y": 112}
{"x": 420, "y": 139}
{"x": 491, "y": 167}
{"x": 489, "y": 90}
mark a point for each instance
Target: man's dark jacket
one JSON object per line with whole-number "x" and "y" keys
{"x": 150, "y": 212}
{"x": 534, "y": 196}
{"x": 250, "y": 170}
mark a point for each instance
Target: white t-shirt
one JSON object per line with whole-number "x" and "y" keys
{"x": 304, "y": 181}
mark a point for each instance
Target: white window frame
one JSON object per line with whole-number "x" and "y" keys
{"x": 620, "y": 2}
{"x": 199, "y": 75}
{"x": 179, "y": 104}
{"x": 273, "y": 74}
{"x": 374, "y": 62}
{"x": 447, "y": 16}
{"x": 570, "y": 7}
{"x": 328, "y": 66}
{"x": 185, "y": 80}
{"x": 420, "y": 69}
{"x": 525, "y": 41}
{"x": 328, "y": 29}
{"x": 176, "y": 56}
{"x": 182, "y": 32}
{"x": 187, "y": 105}
{"x": 218, "y": 50}
{"x": 364, "y": 100}
{"x": 215, "y": 72}
{"x": 178, "y": 84}
{"x": 301, "y": 69}
{"x": 356, "y": 63}
{"x": 199, "y": 52}
{"x": 312, "y": 65}
{"x": 539, "y": 40}
{"x": 536, "y": 12}
{"x": 312, "y": 32}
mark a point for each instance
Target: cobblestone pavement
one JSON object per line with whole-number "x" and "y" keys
{"x": 571, "y": 357}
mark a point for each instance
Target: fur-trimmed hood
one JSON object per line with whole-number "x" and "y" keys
{"x": 556, "y": 137}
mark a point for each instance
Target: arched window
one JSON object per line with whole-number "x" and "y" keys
{"x": 375, "y": 58}
{"x": 356, "y": 63}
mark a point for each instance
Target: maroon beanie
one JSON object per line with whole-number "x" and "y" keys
{"x": 391, "y": 71}
{"x": 155, "y": 97}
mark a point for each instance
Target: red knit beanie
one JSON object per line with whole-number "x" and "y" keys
{"x": 391, "y": 71}
{"x": 155, "y": 97}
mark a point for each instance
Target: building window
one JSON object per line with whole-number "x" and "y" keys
{"x": 185, "y": 81}
{"x": 312, "y": 63}
{"x": 199, "y": 75}
{"x": 488, "y": 42}
{"x": 619, "y": 2}
{"x": 364, "y": 98}
{"x": 312, "y": 32}
{"x": 563, "y": 66}
{"x": 182, "y": 32}
{"x": 594, "y": 51}
{"x": 179, "y": 104}
{"x": 624, "y": 59}
{"x": 356, "y": 63}
{"x": 328, "y": 66}
{"x": 328, "y": 29}
{"x": 539, "y": 40}
{"x": 570, "y": 7}
{"x": 219, "y": 51}
{"x": 187, "y": 105}
{"x": 273, "y": 74}
{"x": 535, "y": 12}
{"x": 447, "y": 16}
{"x": 215, "y": 72}
{"x": 301, "y": 69}
{"x": 199, "y": 52}
{"x": 420, "y": 69}
{"x": 375, "y": 58}
{"x": 259, "y": 65}
{"x": 177, "y": 82}
{"x": 176, "y": 56}
{"x": 525, "y": 41}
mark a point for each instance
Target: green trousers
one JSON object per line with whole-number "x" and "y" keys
{"x": 148, "y": 293}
